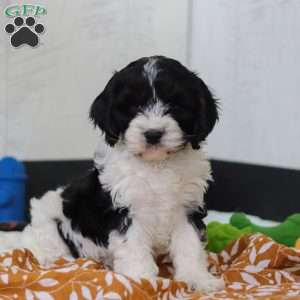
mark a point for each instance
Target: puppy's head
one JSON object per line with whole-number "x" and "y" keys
{"x": 155, "y": 106}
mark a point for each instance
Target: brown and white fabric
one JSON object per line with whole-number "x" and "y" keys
{"x": 254, "y": 267}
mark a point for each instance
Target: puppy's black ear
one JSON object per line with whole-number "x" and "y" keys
{"x": 100, "y": 114}
{"x": 206, "y": 115}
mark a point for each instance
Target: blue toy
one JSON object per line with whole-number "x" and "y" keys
{"x": 12, "y": 191}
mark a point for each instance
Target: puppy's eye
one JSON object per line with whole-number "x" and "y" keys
{"x": 181, "y": 112}
{"x": 128, "y": 108}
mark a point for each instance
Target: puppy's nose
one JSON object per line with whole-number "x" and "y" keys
{"x": 153, "y": 136}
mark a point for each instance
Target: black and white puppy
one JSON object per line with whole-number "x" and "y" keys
{"x": 146, "y": 196}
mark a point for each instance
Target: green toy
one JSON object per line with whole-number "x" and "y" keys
{"x": 220, "y": 235}
{"x": 285, "y": 233}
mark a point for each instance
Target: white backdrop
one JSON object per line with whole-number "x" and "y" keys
{"x": 45, "y": 93}
{"x": 248, "y": 52}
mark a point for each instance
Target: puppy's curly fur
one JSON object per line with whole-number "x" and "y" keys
{"x": 145, "y": 195}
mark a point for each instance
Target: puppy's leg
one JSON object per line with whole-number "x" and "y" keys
{"x": 132, "y": 253}
{"x": 41, "y": 236}
{"x": 44, "y": 242}
{"x": 190, "y": 259}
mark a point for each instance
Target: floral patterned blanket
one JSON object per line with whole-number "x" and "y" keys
{"x": 254, "y": 267}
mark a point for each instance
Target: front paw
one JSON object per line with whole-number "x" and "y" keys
{"x": 210, "y": 284}
{"x": 137, "y": 276}
{"x": 206, "y": 283}
{"x": 137, "y": 271}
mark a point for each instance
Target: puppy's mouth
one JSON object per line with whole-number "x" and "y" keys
{"x": 157, "y": 152}
{"x": 154, "y": 153}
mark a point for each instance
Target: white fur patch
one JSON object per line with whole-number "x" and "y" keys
{"x": 154, "y": 118}
{"x": 41, "y": 236}
{"x": 150, "y": 70}
{"x": 155, "y": 110}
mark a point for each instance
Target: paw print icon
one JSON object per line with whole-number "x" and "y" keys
{"x": 24, "y": 32}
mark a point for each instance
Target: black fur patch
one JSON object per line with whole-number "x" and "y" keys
{"x": 196, "y": 217}
{"x": 128, "y": 92}
{"x": 68, "y": 241}
{"x": 90, "y": 210}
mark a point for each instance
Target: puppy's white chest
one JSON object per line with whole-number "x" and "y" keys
{"x": 158, "y": 202}
{"x": 156, "y": 194}
{"x": 152, "y": 187}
